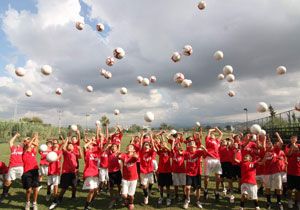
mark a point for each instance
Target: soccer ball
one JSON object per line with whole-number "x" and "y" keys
{"x": 149, "y": 117}
{"x": 46, "y": 70}
{"x": 119, "y": 53}
{"x": 100, "y": 27}
{"x": 74, "y": 127}
{"x": 28, "y": 93}
{"x": 187, "y": 50}
{"x": 231, "y": 93}
{"x": 43, "y": 148}
{"x": 186, "y": 83}
{"x": 281, "y": 70}
{"x": 52, "y": 157}
{"x": 79, "y": 25}
{"x": 255, "y": 129}
{"x": 103, "y": 72}
{"x": 145, "y": 82}
{"x": 59, "y": 91}
{"x": 262, "y": 132}
{"x": 89, "y": 88}
{"x": 123, "y": 90}
{"x": 173, "y": 132}
{"x": 297, "y": 106}
{"x": 139, "y": 79}
{"x": 221, "y": 76}
{"x": 198, "y": 124}
{"x": 230, "y": 78}
{"x": 178, "y": 78}
{"x": 98, "y": 122}
{"x": 227, "y": 70}
{"x": 218, "y": 55}
{"x": 262, "y": 107}
{"x": 153, "y": 79}
{"x": 20, "y": 71}
{"x": 176, "y": 57}
{"x": 202, "y": 5}
{"x": 110, "y": 61}
{"x": 108, "y": 75}
{"x": 117, "y": 112}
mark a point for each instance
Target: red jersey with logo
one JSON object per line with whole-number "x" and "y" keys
{"x": 54, "y": 167}
{"x": 129, "y": 167}
{"x": 278, "y": 162}
{"x": 43, "y": 160}
{"x": 15, "y": 159}
{"x": 212, "y": 147}
{"x": 248, "y": 172}
{"x": 249, "y": 148}
{"x": 178, "y": 164}
{"x": 224, "y": 153}
{"x": 269, "y": 156}
{"x": 146, "y": 164}
{"x": 3, "y": 168}
{"x": 113, "y": 162}
{"x": 117, "y": 138}
{"x": 293, "y": 167}
{"x": 29, "y": 160}
{"x": 90, "y": 164}
{"x": 70, "y": 162}
{"x": 164, "y": 164}
{"x": 104, "y": 159}
{"x": 193, "y": 160}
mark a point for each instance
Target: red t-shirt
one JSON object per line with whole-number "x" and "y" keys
{"x": 3, "y": 168}
{"x": 278, "y": 162}
{"x": 54, "y": 167}
{"x": 250, "y": 148}
{"x": 129, "y": 167}
{"x": 197, "y": 140}
{"x": 269, "y": 156}
{"x": 293, "y": 167}
{"x": 146, "y": 158}
{"x": 235, "y": 154}
{"x": 137, "y": 148}
{"x": 70, "y": 162}
{"x": 248, "y": 173}
{"x": 113, "y": 161}
{"x": 224, "y": 153}
{"x": 164, "y": 164}
{"x": 104, "y": 159}
{"x": 212, "y": 147}
{"x": 90, "y": 164}
{"x": 15, "y": 159}
{"x": 178, "y": 164}
{"x": 117, "y": 138}
{"x": 29, "y": 160}
{"x": 193, "y": 160}
{"x": 43, "y": 160}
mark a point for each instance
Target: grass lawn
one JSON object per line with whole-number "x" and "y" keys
{"x": 17, "y": 195}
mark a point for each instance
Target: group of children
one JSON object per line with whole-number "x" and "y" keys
{"x": 251, "y": 160}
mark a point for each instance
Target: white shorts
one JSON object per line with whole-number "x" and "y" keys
{"x": 155, "y": 165}
{"x": 43, "y": 171}
{"x": 212, "y": 166}
{"x": 128, "y": 187}
{"x": 147, "y": 179}
{"x": 15, "y": 173}
{"x": 250, "y": 190}
{"x": 283, "y": 177}
{"x": 103, "y": 175}
{"x": 179, "y": 179}
{"x": 90, "y": 183}
{"x": 53, "y": 180}
{"x": 273, "y": 181}
{"x": 260, "y": 178}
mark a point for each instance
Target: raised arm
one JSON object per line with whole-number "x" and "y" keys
{"x": 279, "y": 138}
{"x": 219, "y": 132}
{"x": 12, "y": 140}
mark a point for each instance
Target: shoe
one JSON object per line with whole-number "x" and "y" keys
{"x": 257, "y": 208}
{"x": 34, "y": 206}
{"x": 224, "y": 193}
{"x": 48, "y": 197}
{"x": 217, "y": 196}
{"x": 52, "y": 206}
{"x": 2, "y": 198}
{"x": 39, "y": 188}
{"x": 206, "y": 194}
{"x": 111, "y": 204}
{"x": 199, "y": 205}
{"x": 160, "y": 201}
{"x": 169, "y": 201}
{"x": 280, "y": 206}
{"x": 241, "y": 208}
{"x": 27, "y": 206}
{"x": 146, "y": 200}
{"x": 186, "y": 204}
{"x": 130, "y": 206}
{"x": 231, "y": 199}
{"x": 290, "y": 204}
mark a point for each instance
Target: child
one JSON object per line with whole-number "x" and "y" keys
{"x": 3, "y": 173}
{"x": 248, "y": 181}
{"x": 226, "y": 165}
{"x": 43, "y": 162}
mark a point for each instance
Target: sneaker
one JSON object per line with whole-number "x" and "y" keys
{"x": 290, "y": 204}
{"x": 111, "y": 204}
{"x": 131, "y": 206}
{"x": 160, "y": 201}
{"x": 34, "y": 206}
{"x": 280, "y": 206}
{"x": 27, "y": 206}
{"x": 224, "y": 193}
{"x": 241, "y": 208}
{"x": 52, "y": 206}
{"x": 39, "y": 188}
{"x": 199, "y": 205}
{"x": 206, "y": 194}
{"x": 186, "y": 204}
{"x": 217, "y": 196}
{"x": 231, "y": 199}
{"x": 169, "y": 201}
{"x": 146, "y": 200}
{"x": 1, "y": 198}
{"x": 48, "y": 197}
{"x": 257, "y": 208}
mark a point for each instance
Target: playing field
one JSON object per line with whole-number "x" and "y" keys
{"x": 17, "y": 195}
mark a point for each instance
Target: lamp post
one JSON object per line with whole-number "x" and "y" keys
{"x": 246, "y": 111}
{"x": 86, "y": 119}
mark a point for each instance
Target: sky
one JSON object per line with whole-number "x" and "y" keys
{"x": 256, "y": 37}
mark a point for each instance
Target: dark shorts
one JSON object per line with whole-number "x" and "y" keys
{"x": 165, "y": 179}
{"x": 138, "y": 168}
{"x": 30, "y": 179}
{"x": 67, "y": 180}
{"x": 236, "y": 171}
{"x": 226, "y": 170}
{"x": 293, "y": 182}
{"x": 115, "y": 178}
{"x": 194, "y": 181}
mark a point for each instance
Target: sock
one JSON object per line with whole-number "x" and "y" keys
{"x": 48, "y": 191}
{"x": 268, "y": 198}
{"x": 5, "y": 189}
{"x": 278, "y": 198}
{"x": 74, "y": 194}
{"x": 150, "y": 187}
{"x": 242, "y": 204}
{"x": 161, "y": 194}
{"x": 145, "y": 192}
{"x": 256, "y": 203}
{"x": 87, "y": 204}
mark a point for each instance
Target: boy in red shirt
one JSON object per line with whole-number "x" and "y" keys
{"x": 43, "y": 161}
{"x": 130, "y": 175}
{"x": 225, "y": 159}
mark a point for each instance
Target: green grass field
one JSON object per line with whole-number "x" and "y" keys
{"x": 17, "y": 195}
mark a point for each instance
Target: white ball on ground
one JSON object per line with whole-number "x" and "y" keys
{"x": 79, "y": 25}
{"x": 145, "y": 82}
{"x": 231, "y": 93}
{"x": 139, "y": 79}
{"x": 20, "y": 71}
{"x": 176, "y": 57}
{"x": 149, "y": 117}
{"x": 116, "y": 112}
{"x": 198, "y": 124}
{"x": 262, "y": 132}
{"x": 43, "y": 148}
{"x": 100, "y": 27}
{"x": 280, "y": 70}
{"x": 178, "y": 78}
{"x": 74, "y": 127}
{"x": 227, "y": 70}
{"x": 123, "y": 90}
{"x": 255, "y": 129}
{"x": 46, "y": 70}
{"x": 89, "y": 88}
{"x": 262, "y": 107}
{"x": 186, "y": 83}
{"x": 110, "y": 61}
{"x": 119, "y": 53}
{"x": 28, "y": 93}
{"x": 218, "y": 55}
{"x": 59, "y": 91}
{"x": 202, "y": 5}
{"x": 230, "y": 78}
{"x": 297, "y": 106}
{"x": 52, "y": 157}
{"x": 221, "y": 76}
{"x": 187, "y": 50}
{"x": 153, "y": 79}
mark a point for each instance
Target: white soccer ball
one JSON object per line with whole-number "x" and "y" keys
{"x": 59, "y": 91}
{"x": 281, "y": 70}
{"x": 43, "y": 148}
{"x": 187, "y": 50}
{"x": 119, "y": 53}
{"x": 108, "y": 75}
{"x": 173, "y": 132}
{"x": 297, "y": 106}
{"x": 230, "y": 78}
{"x": 79, "y": 25}
{"x": 262, "y": 132}
{"x": 103, "y": 72}
{"x": 186, "y": 83}
{"x": 153, "y": 79}
{"x": 176, "y": 57}
{"x": 123, "y": 90}
{"x": 218, "y": 55}
{"x": 221, "y": 76}
{"x": 110, "y": 61}
{"x": 100, "y": 27}
{"x": 202, "y": 5}
{"x": 89, "y": 88}
{"x": 262, "y": 107}
{"x": 98, "y": 122}
{"x": 139, "y": 79}
{"x": 145, "y": 82}
{"x": 46, "y": 70}
{"x": 178, "y": 78}
{"x": 227, "y": 70}
{"x": 20, "y": 71}
{"x": 116, "y": 112}
{"x": 74, "y": 127}
{"x": 198, "y": 124}
{"x": 28, "y": 93}
{"x": 149, "y": 117}
{"x": 255, "y": 129}
{"x": 52, "y": 157}
{"x": 231, "y": 93}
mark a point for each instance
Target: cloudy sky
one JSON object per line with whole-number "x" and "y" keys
{"x": 256, "y": 37}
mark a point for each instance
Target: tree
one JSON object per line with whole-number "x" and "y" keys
{"x": 35, "y": 120}
{"x": 294, "y": 117}
{"x": 272, "y": 111}
{"x": 104, "y": 121}
{"x": 135, "y": 128}
{"x": 228, "y": 127}
{"x": 165, "y": 126}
